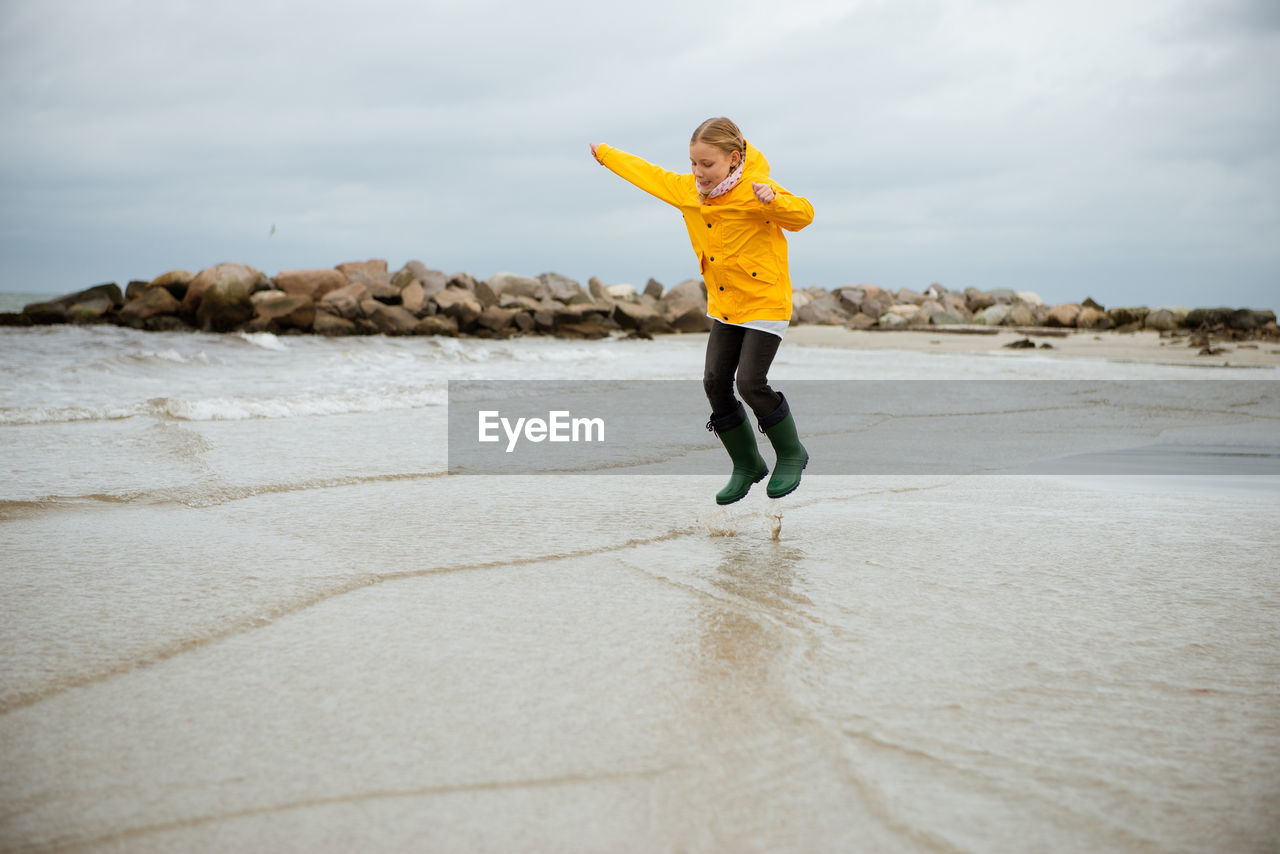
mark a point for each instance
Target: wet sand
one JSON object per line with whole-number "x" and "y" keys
{"x": 1113, "y": 346}
{"x": 242, "y": 607}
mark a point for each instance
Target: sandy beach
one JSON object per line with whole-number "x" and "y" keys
{"x": 1143, "y": 346}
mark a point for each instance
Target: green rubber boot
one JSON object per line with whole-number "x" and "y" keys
{"x": 749, "y": 467}
{"x": 780, "y": 427}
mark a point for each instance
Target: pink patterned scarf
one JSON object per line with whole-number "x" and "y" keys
{"x": 728, "y": 183}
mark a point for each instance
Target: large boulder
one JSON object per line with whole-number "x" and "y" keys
{"x": 460, "y": 305}
{"x": 561, "y": 288}
{"x": 511, "y": 283}
{"x": 689, "y": 294}
{"x": 925, "y": 312}
{"x": 589, "y": 327}
{"x": 463, "y": 281}
{"x": 993, "y": 315}
{"x": 685, "y": 306}
{"x": 312, "y": 284}
{"x": 497, "y": 322}
{"x": 1264, "y": 318}
{"x": 333, "y": 325}
{"x": 91, "y": 308}
{"x": 134, "y": 289}
{"x": 850, "y": 298}
{"x": 653, "y": 288}
{"x": 641, "y": 318}
{"x": 175, "y": 282}
{"x": 432, "y": 281}
{"x": 906, "y": 296}
{"x": 691, "y": 319}
{"x": 436, "y": 324}
{"x": 153, "y": 302}
{"x": 956, "y": 304}
{"x": 1092, "y": 317}
{"x": 1160, "y": 320}
{"x": 824, "y": 311}
{"x": 286, "y": 312}
{"x": 905, "y": 310}
{"x": 976, "y": 300}
{"x": 875, "y": 304}
{"x": 1198, "y": 317}
{"x": 448, "y": 301}
{"x": 172, "y": 277}
{"x": 583, "y": 312}
{"x": 82, "y": 306}
{"x": 688, "y": 291}
{"x": 599, "y": 293}
{"x": 225, "y": 304}
{"x": 522, "y": 303}
{"x": 894, "y": 320}
{"x": 403, "y": 277}
{"x": 1064, "y": 315}
{"x": 946, "y": 317}
{"x": 413, "y": 297}
{"x": 486, "y": 295}
{"x": 1240, "y": 320}
{"x": 1020, "y": 314}
{"x": 590, "y": 320}
{"x": 1029, "y": 297}
{"x": 230, "y": 278}
{"x": 345, "y": 301}
{"x": 379, "y": 285}
{"x": 1128, "y": 315}
{"x": 389, "y": 319}
{"x": 861, "y": 321}
{"x": 373, "y": 267}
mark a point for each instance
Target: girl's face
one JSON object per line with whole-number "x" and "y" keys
{"x": 711, "y": 165}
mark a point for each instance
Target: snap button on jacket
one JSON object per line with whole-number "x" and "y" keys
{"x": 739, "y": 241}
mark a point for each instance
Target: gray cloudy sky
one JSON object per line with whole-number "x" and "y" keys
{"x": 1125, "y": 150}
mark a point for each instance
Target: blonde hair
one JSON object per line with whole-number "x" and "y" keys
{"x": 722, "y": 134}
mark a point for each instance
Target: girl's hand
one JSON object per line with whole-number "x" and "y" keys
{"x": 595, "y": 145}
{"x": 763, "y": 192}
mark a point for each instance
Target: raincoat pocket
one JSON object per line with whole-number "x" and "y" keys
{"x": 759, "y": 269}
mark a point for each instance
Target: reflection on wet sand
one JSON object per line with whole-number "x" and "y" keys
{"x": 748, "y": 628}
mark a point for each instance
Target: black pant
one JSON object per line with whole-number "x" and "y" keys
{"x": 746, "y": 353}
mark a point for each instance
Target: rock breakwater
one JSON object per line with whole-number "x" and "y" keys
{"x": 367, "y": 298}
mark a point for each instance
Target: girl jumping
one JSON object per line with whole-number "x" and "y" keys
{"x": 736, "y": 217}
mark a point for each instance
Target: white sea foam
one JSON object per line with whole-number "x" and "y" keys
{"x": 25, "y": 415}
{"x": 265, "y": 340}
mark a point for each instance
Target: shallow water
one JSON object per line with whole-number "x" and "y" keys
{"x": 243, "y": 606}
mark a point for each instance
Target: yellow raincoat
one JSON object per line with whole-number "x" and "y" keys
{"x": 741, "y": 249}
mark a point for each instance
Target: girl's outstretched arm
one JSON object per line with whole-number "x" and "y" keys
{"x": 654, "y": 180}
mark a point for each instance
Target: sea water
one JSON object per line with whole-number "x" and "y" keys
{"x": 245, "y": 604}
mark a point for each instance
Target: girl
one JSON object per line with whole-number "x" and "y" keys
{"x": 736, "y": 216}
